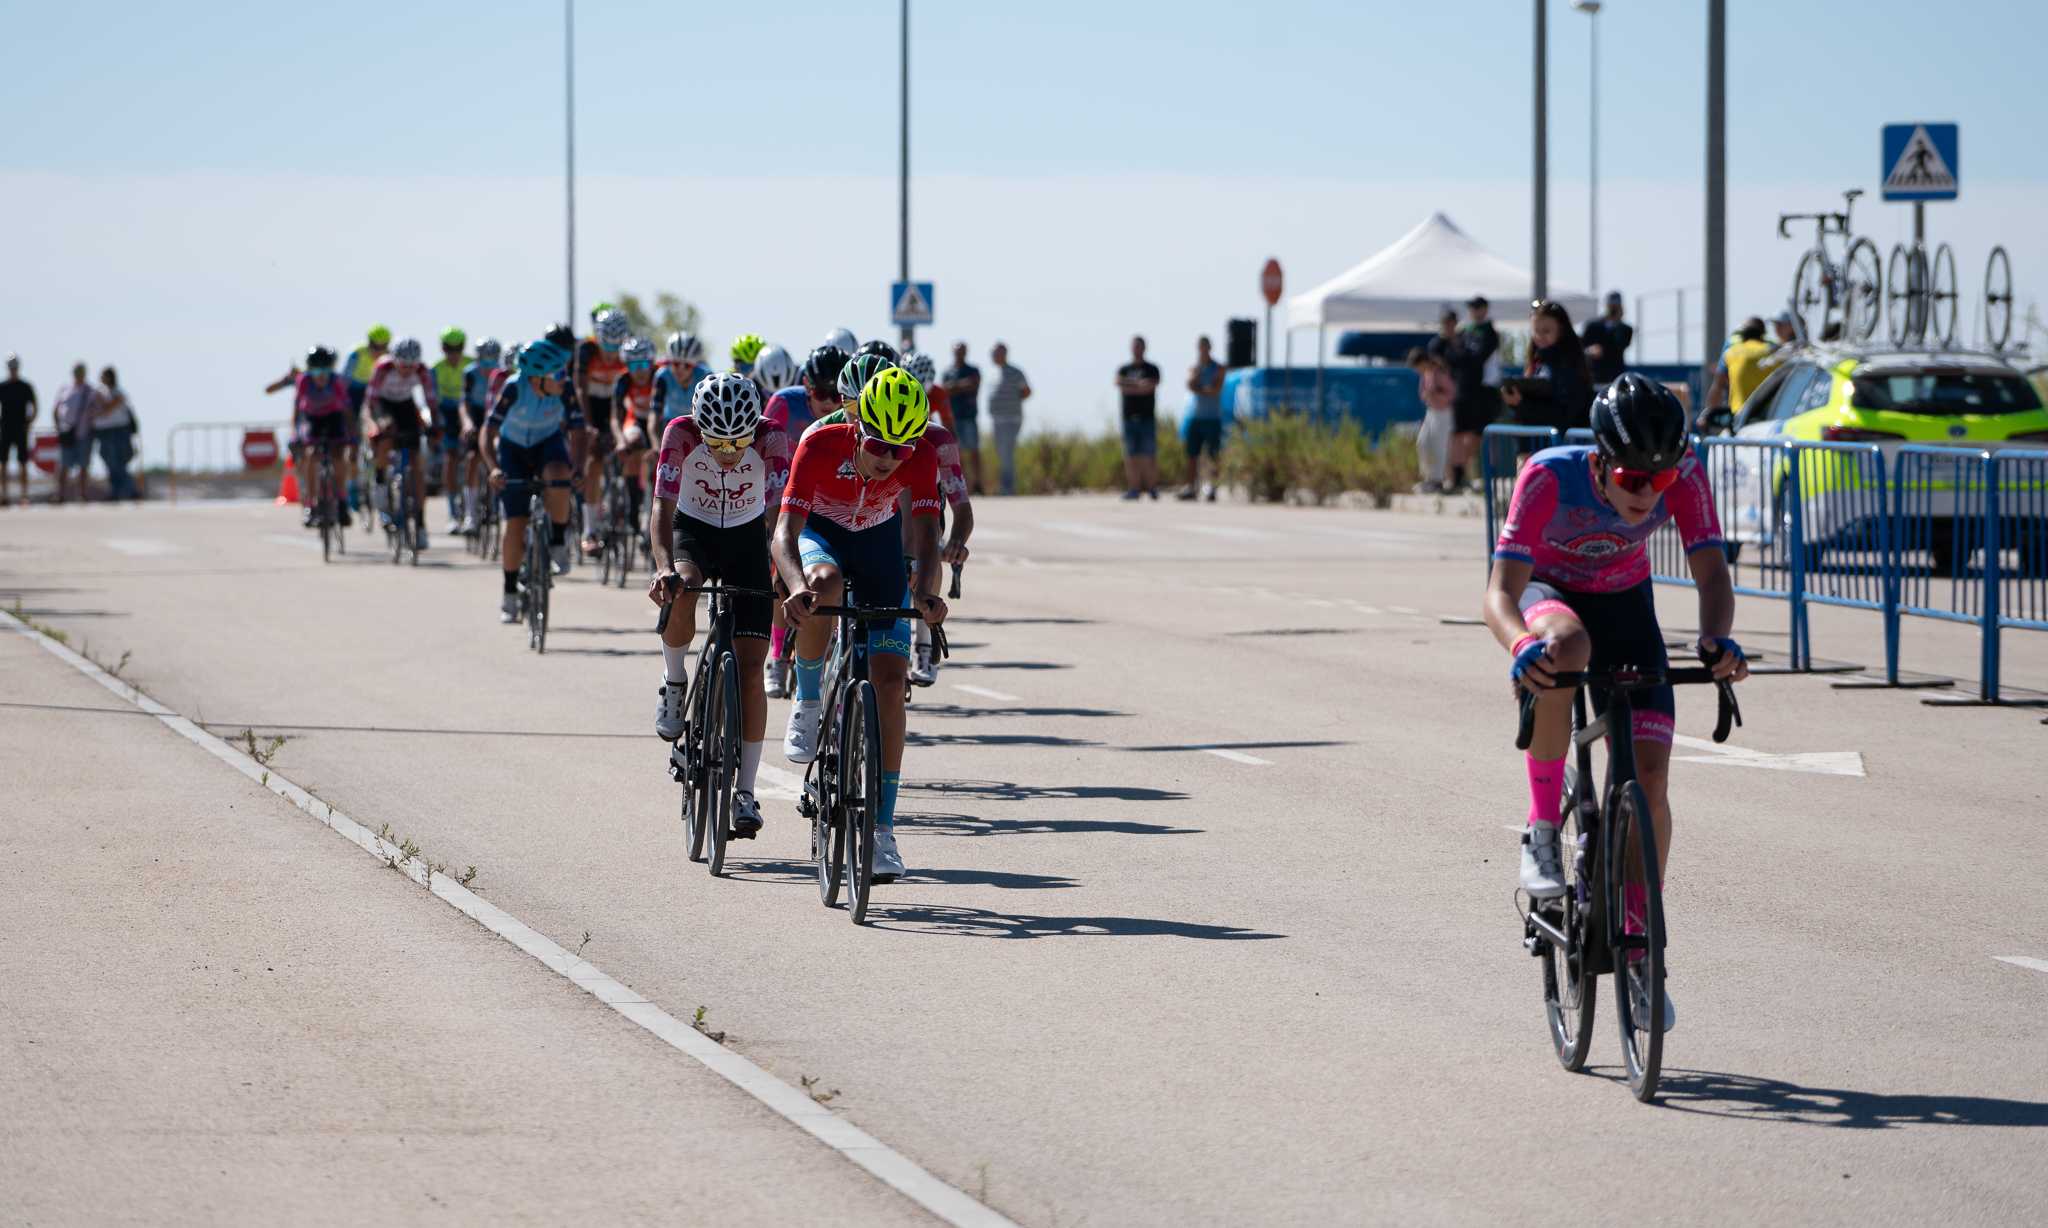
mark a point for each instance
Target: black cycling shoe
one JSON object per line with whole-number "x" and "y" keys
{"x": 746, "y": 817}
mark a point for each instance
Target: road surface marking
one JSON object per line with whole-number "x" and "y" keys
{"x": 1404, "y": 609}
{"x": 142, "y": 547}
{"x": 1818, "y": 762}
{"x": 985, "y": 693}
{"x": 1230, "y": 531}
{"x": 893, "y": 1169}
{"x": 1095, "y": 531}
{"x": 771, "y": 781}
{"x": 2023, "y": 961}
{"x": 1320, "y": 602}
{"x": 1365, "y": 609}
{"x": 1235, "y": 756}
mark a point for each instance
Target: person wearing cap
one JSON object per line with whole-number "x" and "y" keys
{"x": 1607, "y": 340}
{"x": 1740, "y": 371}
{"x": 1475, "y": 366}
{"x": 962, "y": 382}
{"x": 18, "y": 411}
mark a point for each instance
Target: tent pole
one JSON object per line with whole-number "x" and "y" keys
{"x": 1320, "y": 327}
{"x": 1287, "y": 373}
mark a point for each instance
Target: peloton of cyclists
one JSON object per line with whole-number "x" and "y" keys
{"x": 534, "y": 434}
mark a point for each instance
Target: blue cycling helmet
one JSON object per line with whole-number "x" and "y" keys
{"x": 545, "y": 359}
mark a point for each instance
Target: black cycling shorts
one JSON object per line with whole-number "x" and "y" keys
{"x": 1623, "y": 628}
{"x": 404, "y": 417}
{"x": 597, "y": 415}
{"x": 733, "y": 554}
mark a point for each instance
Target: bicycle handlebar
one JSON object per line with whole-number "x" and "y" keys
{"x": 953, "y": 593}
{"x": 884, "y": 614}
{"x": 1630, "y": 678}
{"x": 673, "y": 583}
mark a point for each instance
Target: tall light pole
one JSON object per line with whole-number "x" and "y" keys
{"x": 903, "y": 156}
{"x": 1717, "y": 177}
{"x": 1591, "y": 8}
{"x": 569, "y": 144}
{"x": 1540, "y": 223}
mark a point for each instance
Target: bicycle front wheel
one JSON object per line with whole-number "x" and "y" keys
{"x": 1997, "y": 299}
{"x": 1942, "y": 297}
{"x": 1865, "y": 290}
{"x": 722, "y": 754}
{"x": 1811, "y": 300}
{"x": 860, "y": 757}
{"x": 1639, "y": 955}
{"x": 1570, "y": 989}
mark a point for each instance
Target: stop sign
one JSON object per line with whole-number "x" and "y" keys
{"x": 1269, "y": 282}
{"x": 45, "y": 453}
{"x": 259, "y": 449}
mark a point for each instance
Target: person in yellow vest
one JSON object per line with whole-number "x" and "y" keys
{"x": 1741, "y": 370}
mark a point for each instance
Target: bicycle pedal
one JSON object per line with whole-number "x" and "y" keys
{"x": 881, "y": 878}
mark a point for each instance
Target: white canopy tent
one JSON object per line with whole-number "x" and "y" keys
{"x": 1406, "y": 285}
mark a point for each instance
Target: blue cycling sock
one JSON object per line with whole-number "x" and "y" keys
{"x": 891, "y": 781}
{"x": 810, "y": 679}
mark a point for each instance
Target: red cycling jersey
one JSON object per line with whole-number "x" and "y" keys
{"x": 824, "y": 480}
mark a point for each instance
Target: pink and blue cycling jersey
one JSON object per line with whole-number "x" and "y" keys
{"x": 790, "y": 409}
{"x": 318, "y": 398}
{"x": 1560, "y": 524}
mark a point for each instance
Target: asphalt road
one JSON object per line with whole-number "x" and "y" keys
{"x": 1209, "y": 918}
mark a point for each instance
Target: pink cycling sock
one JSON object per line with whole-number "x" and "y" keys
{"x": 1546, "y": 785}
{"x": 775, "y": 639}
{"x": 1635, "y": 904}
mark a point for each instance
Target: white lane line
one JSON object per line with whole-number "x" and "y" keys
{"x": 1235, "y": 756}
{"x": 985, "y": 693}
{"x": 2023, "y": 961}
{"x": 796, "y": 1107}
{"x": 1817, "y": 762}
{"x": 1365, "y": 609}
{"x": 300, "y": 540}
{"x": 1231, "y": 532}
{"x": 770, "y": 781}
{"x": 1404, "y": 609}
{"x": 1095, "y": 531}
{"x": 141, "y": 547}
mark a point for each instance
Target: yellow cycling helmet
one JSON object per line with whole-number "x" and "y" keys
{"x": 893, "y": 406}
{"x": 746, "y": 347}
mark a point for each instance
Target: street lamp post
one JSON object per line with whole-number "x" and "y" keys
{"x": 1540, "y": 222}
{"x": 903, "y": 157}
{"x": 569, "y": 146}
{"x": 1591, "y": 8}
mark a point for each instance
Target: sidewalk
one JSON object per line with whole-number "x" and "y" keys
{"x": 217, "y": 1011}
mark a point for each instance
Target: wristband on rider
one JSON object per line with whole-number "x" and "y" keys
{"x": 1527, "y": 639}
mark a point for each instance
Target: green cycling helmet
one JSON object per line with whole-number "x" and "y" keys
{"x": 379, "y": 335}
{"x": 599, "y": 310}
{"x": 893, "y": 406}
{"x": 747, "y": 347}
{"x": 454, "y": 336}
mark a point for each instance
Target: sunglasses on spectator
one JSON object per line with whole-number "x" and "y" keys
{"x": 882, "y": 449}
{"x": 1640, "y": 482}
{"x": 729, "y": 446}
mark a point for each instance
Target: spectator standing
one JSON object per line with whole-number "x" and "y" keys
{"x": 1203, "y": 429}
{"x": 1558, "y": 389}
{"x": 1433, "y": 441}
{"x": 1606, "y": 341}
{"x": 18, "y": 411}
{"x": 113, "y": 429}
{"x": 1740, "y": 371}
{"x": 1138, "y": 381}
{"x": 73, "y": 415}
{"x": 962, "y": 382}
{"x": 1476, "y": 370}
{"x": 1445, "y": 343}
{"x": 1006, "y": 413}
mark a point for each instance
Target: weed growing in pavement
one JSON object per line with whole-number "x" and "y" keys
{"x": 409, "y": 850}
{"x": 810, "y": 1083}
{"x": 37, "y": 625}
{"x": 981, "y": 1182}
{"x": 697, "y": 1022}
{"x": 384, "y": 833}
{"x": 468, "y": 876}
{"x": 584, "y": 943}
{"x": 265, "y": 753}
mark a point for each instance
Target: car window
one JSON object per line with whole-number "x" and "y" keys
{"x": 1758, "y": 407}
{"x": 1946, "y": 393}
{"x": 1789, "y": 397}
{"x": 1813, "y": 396}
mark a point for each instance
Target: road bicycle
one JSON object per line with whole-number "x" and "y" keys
{"x": 401, "y": 508}
{"x": 537, "y": 569}
{"x": 1997, "y": 299}
{"x": 620, "y": 536}
{"x": 706, "y": 757}
{"x": 842, "y": 793}
{"x": 1920, "y": 294}
{"x": 1608, "y": 846}
{"x": 1835, "y": 301}
{"x": 329, "y": 511}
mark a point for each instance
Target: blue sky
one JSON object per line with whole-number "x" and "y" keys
{"x": 198, "y": 191}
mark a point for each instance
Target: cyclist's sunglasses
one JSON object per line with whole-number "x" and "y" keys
{"x": 1640, "y": 482}
{"x": 729, "y": 446}
{"x": 882, "y": 449}
{"x": 639, "y": 364}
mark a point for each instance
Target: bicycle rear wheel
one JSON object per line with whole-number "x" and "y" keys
{"x": 1997, "y": 299}
{"x": 1942, "y": 297}
{"x": 861, "y": 758}
{"x": 1865, "y": 272}
{"x": 722, "y": 746}
{"x": 1639, "y": 958}
{"x": 828, "y": 832}
{"x": 1811, "y": 302}
{"x": 1570, "y": 988}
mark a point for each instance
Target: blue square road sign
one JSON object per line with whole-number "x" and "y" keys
{"x": 1920, "y": 162}
{"x": 910, "y": 302}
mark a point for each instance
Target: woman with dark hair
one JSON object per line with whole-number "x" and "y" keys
{"x": 114, "y": 428}
{"x": 1557, "y": 390}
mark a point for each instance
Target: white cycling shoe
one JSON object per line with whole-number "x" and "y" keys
{"x": 508, "y": 608}
{"x": 562, "y": 558}
{"x": 1639, "y": 1001}
{"x": 775, "y": 677}
{"x": 1542, "y": 872}
{"x": 668, "y": 714}
{"x": 800, "y": 740}
{"x": 923, "y": 670}
{"x": 888, "y": 860}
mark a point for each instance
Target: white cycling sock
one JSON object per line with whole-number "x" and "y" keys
{"x": 750, "y": 763}
{"x": 589, "y": 520}
{"x": 675, "y": 663}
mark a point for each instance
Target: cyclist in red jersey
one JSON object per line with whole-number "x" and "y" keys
{"x": 633, "y": 419}
{"x": 598, "y": 368}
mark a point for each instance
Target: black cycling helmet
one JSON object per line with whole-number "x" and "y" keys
{"x": 319, "y": 356}
{"x": 1639, "y": 424}
{"x": 564, "y": 336}
{"x": 821, "y": 369}
{"x": 879, "y": 346}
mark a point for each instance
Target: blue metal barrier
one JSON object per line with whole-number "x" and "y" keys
{"x": 2016, "y": 522}
{"x": 1940, "y": 500}
{"x": 1501, "y": 450}
{"x": 1840, "y": 539}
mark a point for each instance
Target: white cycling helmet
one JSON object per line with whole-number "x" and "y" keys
{"x": 488, "y": 351}
{"x": 843, "y": 338}
{"x": 774, "y": 369}
{"x": 684, "y": 347}
{"x": 613, "y": 328}
{"x": 406, "y": 349}
{"x": 726, "y": 405}
{"x": 637, "y": 349}
{"x": 920, "y": 364}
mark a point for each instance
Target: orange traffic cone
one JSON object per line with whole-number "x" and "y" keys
{"x": 288, "y": 489}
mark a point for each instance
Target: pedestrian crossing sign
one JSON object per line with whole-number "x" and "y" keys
{"x": 1920, "y": 162}
{"x": 910, "y": 302}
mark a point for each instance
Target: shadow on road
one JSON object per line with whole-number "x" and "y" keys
{"x": 982, "y": 923}
{"x": 953, "y": 665}
{"x": 941, "y": 824}
{"x": 806, "y": 873}
{"x": 914, "y": 738}
{"x": 1010, "y": 791}
{"x": 1230, "y": 746}
{"x": 45, "y": 612}
{"x": 647, "y": 630}
{"x": 1300, "y": 631}
{"x": 924, "y": 709}
{"x": 1748, "y": 1098}
{"x": 603, "y": 652}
